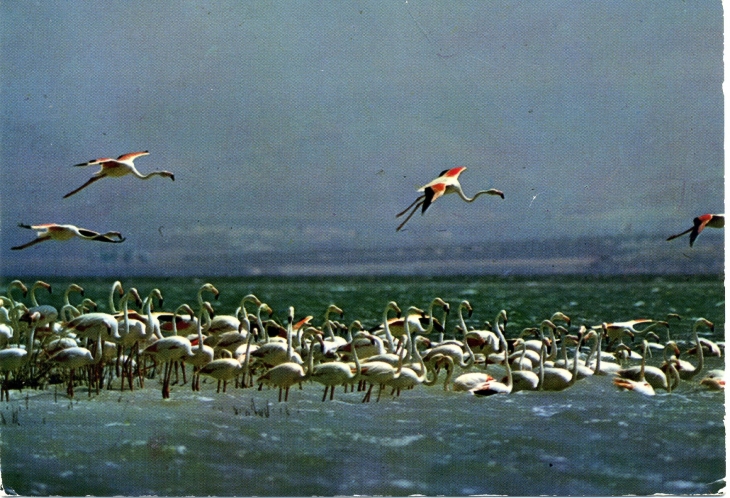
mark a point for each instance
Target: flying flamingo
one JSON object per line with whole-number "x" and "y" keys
{"x": 54, "y": 231}
{"x": 446, "y": 183}
{"x": 115, "y": 168}
{"x": 699, "y": 224}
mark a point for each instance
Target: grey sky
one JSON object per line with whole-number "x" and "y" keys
{"x": 292, "y": 124}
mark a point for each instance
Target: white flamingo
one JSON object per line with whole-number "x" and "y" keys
{"x": 288, "y": 373}
{"x": 492, "y": 387}
{"x": 446, "y": 183}
{"x": 640, "y": 386}
{"x": 78, "y": 357}
{"x": 687, "y": 371}
{"x": 552, "y": 378}
{"x": 168, "y": 351}
{"x": 452, "y": 349}
{"x": 13, "y": 359}
{"x": 653, "y": 375}
{"x": 336, "y": 373}
{"x": 115, "y": 168}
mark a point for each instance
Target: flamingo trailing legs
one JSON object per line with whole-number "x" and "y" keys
{"x": 115, "y": 168}
{"x": 446, "y": 183}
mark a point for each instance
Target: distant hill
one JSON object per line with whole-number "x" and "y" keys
{"x": 614, "y": 255}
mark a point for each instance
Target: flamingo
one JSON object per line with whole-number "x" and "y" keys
{"x": 523, "y": 379}
{"x": 222, "y": 324}
{"x": 607, "y": 367}
{"x": 709, "y": 347}
{"x": 132, "y": 331}
{"x": 54, "y": 231}
{"x": 115, "y": 168}
{"x": 48, "y": 313}
{"x": 288, "y": 373}
{"x": 409, "y": 377}
{"x": 169, "y": 350}
{"x": 640, "y": 386}
{"x": 446, "y": 183}
{"x": 486, "y": 342}
{"x": 687, "y": 371}
{"x": 452, "y": 349}
{"x": 699, "y": 224}
{"x": 335, "y": 373}
{"x": 12, "y": 359}
{"x": 380, "y": 372}
{"x": 78, "y": 357}
{"x": 492, "y": 387}
{"x": 552, "y": 378}
{"x": 714, "y": 383}
{"x": 6, "y": 329}
{"x": 653, "y": 375}
{"x": 223, "y": 370}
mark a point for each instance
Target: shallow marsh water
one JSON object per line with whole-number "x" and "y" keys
{"x": 591, "y": 439}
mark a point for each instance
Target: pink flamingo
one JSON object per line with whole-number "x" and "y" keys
{"x": 115, "y": 168}
{"x": 446, "y": 183}
{"x": 699, "y": 224}
{"x": 54, "y": 231}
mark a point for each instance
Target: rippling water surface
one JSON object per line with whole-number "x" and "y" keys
{"x": 590, "y": 439}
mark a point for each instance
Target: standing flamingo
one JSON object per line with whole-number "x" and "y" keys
{"x": 12, "y": 359}
{"x": 335, "y": 373}
{"x": 446, "y": 183}
{"x": 169, "y": 350}
{"x": 699, "y": 224}
{"x": 54, "y": 231}
{"x": 78, "y": 357}
{"x": 115, "y": 168}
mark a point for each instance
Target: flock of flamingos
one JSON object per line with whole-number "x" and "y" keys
{"x": 132, "y": 344}
{"x": 126, "y": 346}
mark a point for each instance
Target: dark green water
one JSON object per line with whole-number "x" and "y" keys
{"x": 590, "y": 439}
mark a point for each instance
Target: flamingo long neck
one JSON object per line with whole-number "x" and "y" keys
{"x": 31, "y": 340}
{"x": 71, "y": 288}
{"x": 98, "y": 350}
{"x": 419, "y": 358}
{"x": 700, "y": 353}
{"x": 124, "y": 303}
{"x": 386, "y": 327}
{"x": 202, "y": 312}
{"x": 15, "y": 284}
{"x": 575, "y": 360}
{"x": 541, "y": 370}
{"x": 116, "y": 287}
{"x": 33, "y": 299}
{"x": 247, "y": 360}
{"x": 599, "y": 340}
{"x": 289, "y": 333}
{"x": 358, "y": 366}
{"x": 543, "y": 353}
{"x": 462, "y": 323}
{"x": 503, "y": 343}
{"x": 469, "y": 362}
{"x": 174, "y": 322}
{"x": 243, "y": 320}
{"x": 262, "y": 329}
